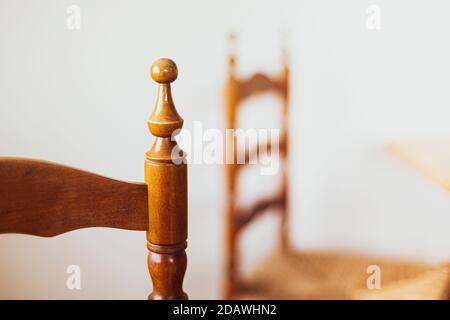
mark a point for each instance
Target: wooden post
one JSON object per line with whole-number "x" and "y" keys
{"x": 166, "y": 177}
{"x": 284, "y": 225}
{"x": 231, "y": 231}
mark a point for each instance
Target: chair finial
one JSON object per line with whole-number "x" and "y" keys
{"x": 164, "y": 71}
{"x": 166, "y": 178}
{"x": 164, "y": 119}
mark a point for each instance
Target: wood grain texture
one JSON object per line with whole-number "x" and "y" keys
{"x": 46, "y": 199}
{"x": 166, "y": 176}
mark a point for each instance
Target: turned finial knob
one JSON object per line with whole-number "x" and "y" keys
{"x": 164, "y": 120}
{"x": 164, "y": 71}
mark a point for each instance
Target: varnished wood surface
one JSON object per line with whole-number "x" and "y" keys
{"x": 166, "y": 176}
{"x": 47, "y": 199}
{"x": 430, "y": 158}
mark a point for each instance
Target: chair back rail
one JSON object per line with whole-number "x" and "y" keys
{"x": 46, "y": 199}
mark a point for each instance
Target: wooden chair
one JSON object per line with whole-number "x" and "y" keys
{"x": 46, "y": 199}
{"x": 303, "y": 275}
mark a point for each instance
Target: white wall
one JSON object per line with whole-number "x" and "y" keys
{"x": 82, "y": 98}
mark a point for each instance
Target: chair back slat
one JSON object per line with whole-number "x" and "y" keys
{"x": 46, "y": 199}
{"x": 260, "y": 83}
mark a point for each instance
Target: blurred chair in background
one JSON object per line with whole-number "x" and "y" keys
{"x": 303, "y": 275}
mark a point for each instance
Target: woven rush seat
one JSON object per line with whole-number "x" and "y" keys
{"x": 328, "y": 275}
